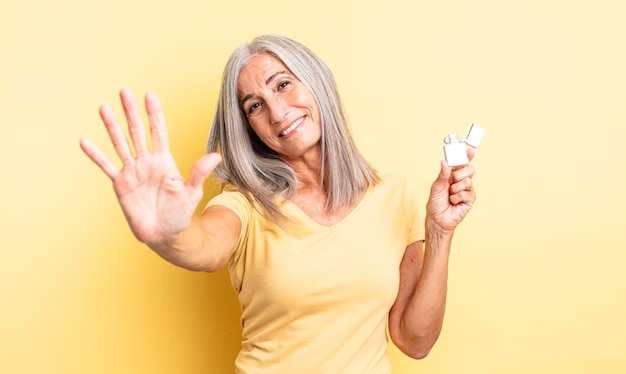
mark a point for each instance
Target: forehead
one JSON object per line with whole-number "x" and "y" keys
{"x": 259, "y": 69}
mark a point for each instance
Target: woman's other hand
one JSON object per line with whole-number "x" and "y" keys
{"x": 452, "y": 196}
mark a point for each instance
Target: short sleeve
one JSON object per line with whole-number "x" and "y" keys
{"x": 413, "y": 212}
{"x": 236, "y": 202}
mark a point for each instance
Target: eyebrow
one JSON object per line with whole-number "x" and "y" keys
{"x": 267, "y": 82}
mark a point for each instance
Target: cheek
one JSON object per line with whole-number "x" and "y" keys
{"x": 306, "y": 100}
{"x": 256, "y": 123}
{"x": 261, "y": 131}
{"x": 315, "y": 113}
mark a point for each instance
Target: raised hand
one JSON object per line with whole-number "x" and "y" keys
{"x": 157, "y": 202}
{"x": 451, "y": 196}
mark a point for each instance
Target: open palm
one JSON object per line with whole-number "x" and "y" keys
{"x": 157, "y": 202}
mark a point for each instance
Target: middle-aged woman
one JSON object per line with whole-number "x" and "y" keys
{"x": 324, "y": 252}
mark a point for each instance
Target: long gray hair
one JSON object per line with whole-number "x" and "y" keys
{"x": 254, "y": 168}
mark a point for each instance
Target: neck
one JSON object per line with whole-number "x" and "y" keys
{"x": 308, "y": 172}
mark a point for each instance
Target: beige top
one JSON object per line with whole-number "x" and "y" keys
{"x": 316, "y": 299}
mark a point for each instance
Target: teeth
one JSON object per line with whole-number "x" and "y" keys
{"x": 292, "y": 127}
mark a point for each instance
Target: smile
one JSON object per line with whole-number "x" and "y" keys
{"x": 293, "y": 126}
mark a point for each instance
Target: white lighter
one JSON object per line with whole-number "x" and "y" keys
{"x": 456, "y": 151}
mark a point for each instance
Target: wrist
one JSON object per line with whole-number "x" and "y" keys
{"x": 165, "y": 242}
{"x": 433, "y": 228}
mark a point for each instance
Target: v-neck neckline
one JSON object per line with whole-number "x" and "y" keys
{"x": 320, "y": 227}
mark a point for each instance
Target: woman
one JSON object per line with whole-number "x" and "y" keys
{"x": 324, "y": 253}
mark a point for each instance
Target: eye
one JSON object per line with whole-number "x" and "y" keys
{"x": 283, "y": 84}
{"x": 253, "y": 108}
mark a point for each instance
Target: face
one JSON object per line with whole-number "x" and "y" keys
{"x": 280, "y": 109}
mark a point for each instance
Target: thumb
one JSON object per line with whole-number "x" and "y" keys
{"x": 442, "y": 182}
{"x": 203, "y": 168}
{"x": 439, "y": 190}
{"x": 444, "y": 174}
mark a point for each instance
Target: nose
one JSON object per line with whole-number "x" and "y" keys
{"x": 278, "y": 109}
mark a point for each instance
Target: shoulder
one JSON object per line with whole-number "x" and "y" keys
{"x": 395, "y": 189}
{"x": 392, "y": 183}
{"x": 235, "y": 200}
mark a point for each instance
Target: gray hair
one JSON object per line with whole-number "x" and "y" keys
{"x": 254, "y": 168}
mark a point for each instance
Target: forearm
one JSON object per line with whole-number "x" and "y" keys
{"x": 421, "y": 320}
{"x": 186, "y": 249}
{"x": 207, "y": 242}
{"x": 416, "y": 318}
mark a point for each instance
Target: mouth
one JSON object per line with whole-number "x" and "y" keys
{"x": 291, "y": 127}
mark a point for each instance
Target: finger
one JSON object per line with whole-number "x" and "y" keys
{"x": 442, "y": 181}
{"x": 203, "y": 168}
{"x": 464, "y": 184}
{"x": 444, "y": 172}
{"x": 461, "y": 173}
{"x": 135, "y": 124}
{"x": 99, "y": 158}
{"x": 118, "y": 139}
{"x": 463, "y": 197}
{"x": 158, "y": 128}
{"x": 471, "y": 152}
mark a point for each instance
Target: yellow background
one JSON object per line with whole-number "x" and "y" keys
{"x": 538, "y": 279}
